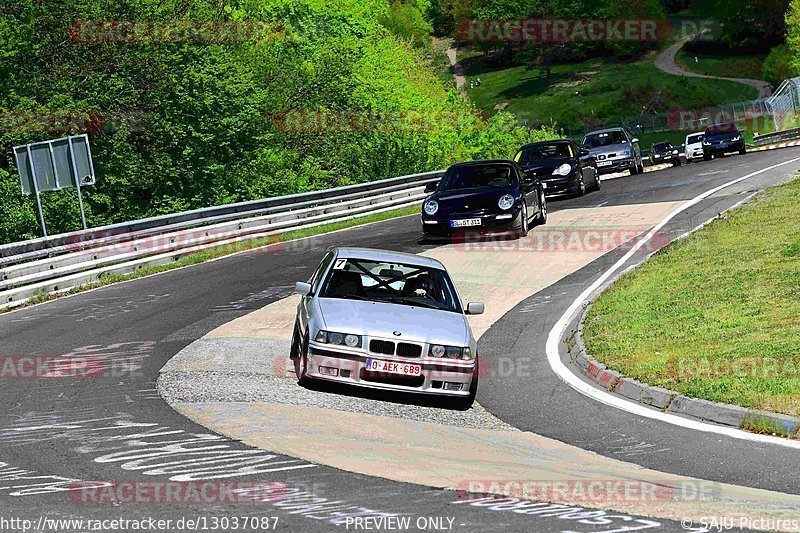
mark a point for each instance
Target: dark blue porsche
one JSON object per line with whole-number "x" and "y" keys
{"x": 485, "y": 196}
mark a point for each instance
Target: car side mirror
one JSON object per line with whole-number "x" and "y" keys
{"x": 475, "y": 308}
{"x": 302, "y": 288}
{"x": 430, "y": 187}
{"x": 634, "y": 140}
{"x": 585, "y": 152}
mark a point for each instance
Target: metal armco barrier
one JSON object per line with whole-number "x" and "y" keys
{"x": 68, "y": 260}
{"x": 777, "y": 137}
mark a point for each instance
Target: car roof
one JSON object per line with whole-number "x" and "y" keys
{"x": 484, "y": 162}
{"x": 552, "y": 141}
{"x": 607, "y": 130}
{"x": 372, "y": 254}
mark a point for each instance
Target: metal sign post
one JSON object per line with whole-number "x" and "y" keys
{"x": 55, "y": 165}
{"x": 77, "y": 178}
{"x": 36, "y": 188}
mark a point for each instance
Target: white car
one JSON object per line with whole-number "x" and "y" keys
{"x": 694, "y": 146}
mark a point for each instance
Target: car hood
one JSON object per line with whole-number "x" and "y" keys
{"x": 378, "y": 319}
{"x": 479, "y": 198}
{"x": 610, "y": 149}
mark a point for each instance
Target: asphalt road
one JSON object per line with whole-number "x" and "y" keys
{"x": 56, "y": 432}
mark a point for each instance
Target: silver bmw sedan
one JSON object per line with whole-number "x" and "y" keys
{"x": 386, "y": 320}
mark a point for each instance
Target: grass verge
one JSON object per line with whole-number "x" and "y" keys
{"x": 586, "y": 92}
{"x": 220, "y": 251}
{"x": 726, "y": 66}
{"x": 716, "y": 315}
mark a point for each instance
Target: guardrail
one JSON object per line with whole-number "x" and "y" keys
{"x": 64, "y": 261}
{"x": 777, "y": 137}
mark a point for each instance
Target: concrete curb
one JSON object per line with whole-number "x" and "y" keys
{"x": 669, "y": 400}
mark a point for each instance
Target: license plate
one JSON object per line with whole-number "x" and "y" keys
{"x": 390, "y": 367}
{"x": 604, "y": 163}
{"x": 466, "y": 222}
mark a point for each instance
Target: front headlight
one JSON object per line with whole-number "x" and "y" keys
{"x": 706, "y": 143}
{"x": 449, "y": 352}
{"x": 338, "y": 339}
{"x": 563, "y": 170}
{"x": 674, "y": 152}
{"x": 431, "y": 207}
{"x": 505, "y": 202}
{"x": 737, "y": 138}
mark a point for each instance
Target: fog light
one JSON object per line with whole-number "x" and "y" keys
{"x": 449, "y": 385}
{"x": 328, "y": 371}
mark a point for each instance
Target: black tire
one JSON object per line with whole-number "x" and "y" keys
{"x": 541, "y": 218}
{"x": 302, "y": 379}
{"x": 634, "y": 169}
{"x": 294, "y": 350}
{"x": 596, "y": 181}
{"x": 581, "y": 186}
{"x": 640, "y": 170}
{"x": 743, "y": 151}
{"x": 523, "y": 230}
{"x": 707, "y": 157}
{"x": 466, "y": 402}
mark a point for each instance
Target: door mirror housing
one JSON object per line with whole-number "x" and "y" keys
{"x": 634, "y": 140}
{"x": 475, "y": 308}
{"x": 302, "y": 288}
{"x": 584, "y": 152}
{"x": 431, "y": 187}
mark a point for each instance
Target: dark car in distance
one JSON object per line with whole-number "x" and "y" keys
{"x": 562, "y": 166}
{"x": 664, "y": 152}
{"x": 485, "y": 196}
{"x": 722, "y": 138}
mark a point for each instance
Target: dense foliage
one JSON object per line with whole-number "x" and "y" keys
{"x": 189, "y": 122}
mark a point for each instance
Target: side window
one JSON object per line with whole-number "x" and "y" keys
{"x": 323, "y": 266}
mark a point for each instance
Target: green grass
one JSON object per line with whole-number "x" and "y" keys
{"x": 716, "y": 315}
{"x": 220, "y": 251}
{"x": 606, "y": 90}
{"x": 750, "y": 66}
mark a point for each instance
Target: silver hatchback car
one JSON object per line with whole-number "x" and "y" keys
{"x": 386, "y": 320}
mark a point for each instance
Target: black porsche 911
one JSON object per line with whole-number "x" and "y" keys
{"x": 485, "y": 196}
{"x": 563, "y": 167}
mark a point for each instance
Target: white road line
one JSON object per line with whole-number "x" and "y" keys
{"x": 563, "y": 372}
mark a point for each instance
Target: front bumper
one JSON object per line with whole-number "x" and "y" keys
{"x": 723, "y": 147}
{"x": 561, "y": 186}
{"x": 447, "y": 377}
{"x": 609, "y": 166}
{"x": 490, "y": 223}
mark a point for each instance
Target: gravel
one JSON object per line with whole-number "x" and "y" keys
{"x": 224, "y": 387}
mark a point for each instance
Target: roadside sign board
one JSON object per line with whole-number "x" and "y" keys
{"x": 55, "y": 165}
{"x": 50, "y": 164}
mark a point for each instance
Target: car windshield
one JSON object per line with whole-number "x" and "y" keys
{"x": 661, "y": 147}
{"x": 541, "y": 152}
{"x": 692, "y": 139}
{"x": 474, "y": 176}
{"x": 606, "y": 138}
{"x": 718, "y": 129}
{"x": 376, "y": 281}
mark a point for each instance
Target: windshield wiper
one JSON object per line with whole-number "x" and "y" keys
{"x": 405, "y": 301}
